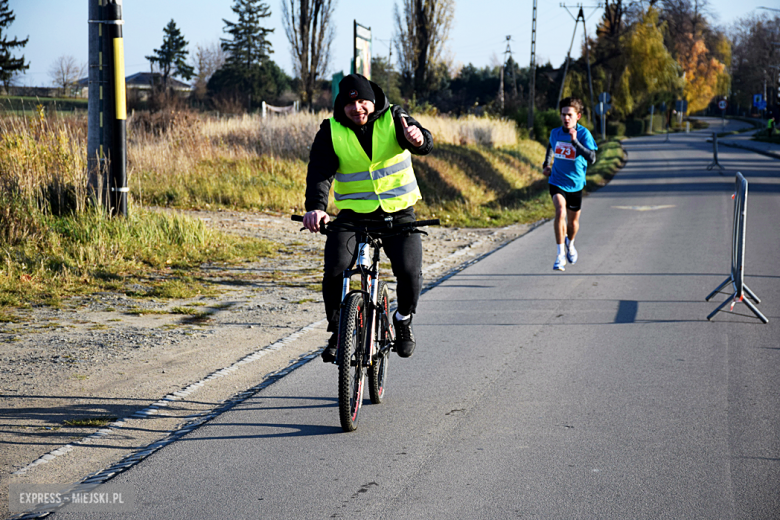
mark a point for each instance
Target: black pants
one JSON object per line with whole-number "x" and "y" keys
{"x": 404, "y": 252}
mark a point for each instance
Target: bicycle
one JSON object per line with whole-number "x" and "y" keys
{"x": 365, "y": 335}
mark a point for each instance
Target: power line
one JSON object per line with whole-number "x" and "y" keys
{"x": 580, "y": 16}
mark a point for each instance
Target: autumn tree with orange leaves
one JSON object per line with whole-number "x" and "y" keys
{"x": 660, "y": 50}
{"x": 651, "y": 74}
{"x": 701, "y": 72}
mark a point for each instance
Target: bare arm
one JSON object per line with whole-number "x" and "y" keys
{"x": 548, "y": 157}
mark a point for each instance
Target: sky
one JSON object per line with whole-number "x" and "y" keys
{"x": 59, "y": 28}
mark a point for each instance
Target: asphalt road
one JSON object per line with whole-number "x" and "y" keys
{"x": 600, "y": 392}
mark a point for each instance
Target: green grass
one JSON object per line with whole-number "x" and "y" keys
{"x": 610, "y": 159}
{"x": 26, "y": 104}
{"x": 90, "y": 422}
{"x": 261, "y": 183}
{"x": 767, "y": 136}
{"x": 138, "y": 311}
{"x": 483, "y": 187}
{"x": 44, "y": 258}
{"x": 188, "y": 311}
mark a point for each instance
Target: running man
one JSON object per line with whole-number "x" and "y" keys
{"x": 572, "y": 149}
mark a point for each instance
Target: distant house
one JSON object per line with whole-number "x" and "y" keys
{"x": 139, "y": 85}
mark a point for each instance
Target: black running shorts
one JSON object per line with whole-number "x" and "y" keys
{"x": 573, "y": 198}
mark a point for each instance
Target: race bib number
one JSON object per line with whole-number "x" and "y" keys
{"x": 564, "y": 150}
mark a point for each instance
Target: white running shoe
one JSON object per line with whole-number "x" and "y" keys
{"x": 571, "y": 252}
{"x": 560, "y": 263}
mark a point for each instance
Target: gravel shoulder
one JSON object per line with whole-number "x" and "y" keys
{"x": 152, "y": 371}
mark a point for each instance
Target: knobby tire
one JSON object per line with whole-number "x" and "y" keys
{"x": 377, "y": 373}
{"x": 352, "y": 323}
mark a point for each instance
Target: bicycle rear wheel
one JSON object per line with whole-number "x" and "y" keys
{"x": 377, "y": 374}
{"x": 352, "y": 325}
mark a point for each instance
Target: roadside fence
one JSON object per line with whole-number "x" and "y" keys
{"x": 266, "y": 108}
{"x": 736, "y": 278}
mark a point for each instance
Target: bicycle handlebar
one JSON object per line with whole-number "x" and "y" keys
{"x": 397, "y": 227}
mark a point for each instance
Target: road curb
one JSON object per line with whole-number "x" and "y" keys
{"x": 773, "y": 155}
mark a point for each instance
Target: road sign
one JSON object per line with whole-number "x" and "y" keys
{"x": 681, "y": 106}
{"x": 722, "y": 104}
{"x": 602, "y": 108}
{"x": 604, "y": 97}
{"x": 663, "y": 106}
{"x": 761, "y": 105}
{"x": 757, "y": 99}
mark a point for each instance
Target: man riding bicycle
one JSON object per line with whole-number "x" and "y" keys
{"x": 366, "y": 146}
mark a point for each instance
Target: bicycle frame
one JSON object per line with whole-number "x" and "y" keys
{"x": 369, "y": 285}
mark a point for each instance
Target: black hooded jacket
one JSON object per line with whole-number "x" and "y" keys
{"x": 323, "y": 161}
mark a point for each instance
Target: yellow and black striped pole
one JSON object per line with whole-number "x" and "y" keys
{"x": 118, "y": 178}
{"x": 106, "y": 142}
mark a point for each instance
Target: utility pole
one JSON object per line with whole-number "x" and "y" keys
{"x": 580, "y": 16}
{"x": 106, "y": 138}
{"x": 590, "y": 78}
{"x": 507, "y": 57}
{"x": 532, "y": 90}
{"x": 501, "y": 88}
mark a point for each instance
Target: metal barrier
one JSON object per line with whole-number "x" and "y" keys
{"x": 738, "y": 256}
{"x": 715, "y": 154}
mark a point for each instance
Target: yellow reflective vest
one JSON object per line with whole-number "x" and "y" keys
{"x": 364, "y": 184}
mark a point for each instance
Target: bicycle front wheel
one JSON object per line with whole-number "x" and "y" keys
{"x": 352, "y": 325}
{"x": 377, "y": 374}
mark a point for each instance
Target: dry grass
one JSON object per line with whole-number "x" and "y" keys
{"x": 43, "y": 161}
{"x": 480, "y": 186}
{"x": 53, "y": 243}
{"x": 181, "y": 159}
{"x": 247, "y": 162}
{"x": 187, "y": 160}
{"x": 471, "y": 130}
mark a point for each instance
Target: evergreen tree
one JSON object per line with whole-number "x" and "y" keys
{"x": 248, "y": 45}
{"x": 389, "y": 80}
{"x": 249, "y": 87}
{"x": 8, "y": 64}
{"x": 172, "y": 55}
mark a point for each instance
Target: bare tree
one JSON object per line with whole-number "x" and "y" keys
{"x": 422, "y": 33}
{"x": 309, "y": 29}
{"x": 755, "y": 59}
{"x": 65, "y": 73}
{"x": 206, "y": 60}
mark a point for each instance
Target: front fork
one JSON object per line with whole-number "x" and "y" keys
{"x": 369, "y": 285}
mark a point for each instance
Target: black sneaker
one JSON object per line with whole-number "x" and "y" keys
{"x": 404, "y": 337}
{"x": 329, "y": 354}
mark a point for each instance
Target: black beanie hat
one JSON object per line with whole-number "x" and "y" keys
{"x": 354, "y": 87}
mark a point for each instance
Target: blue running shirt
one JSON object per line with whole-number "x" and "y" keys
{"x": 568, "y": 169}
